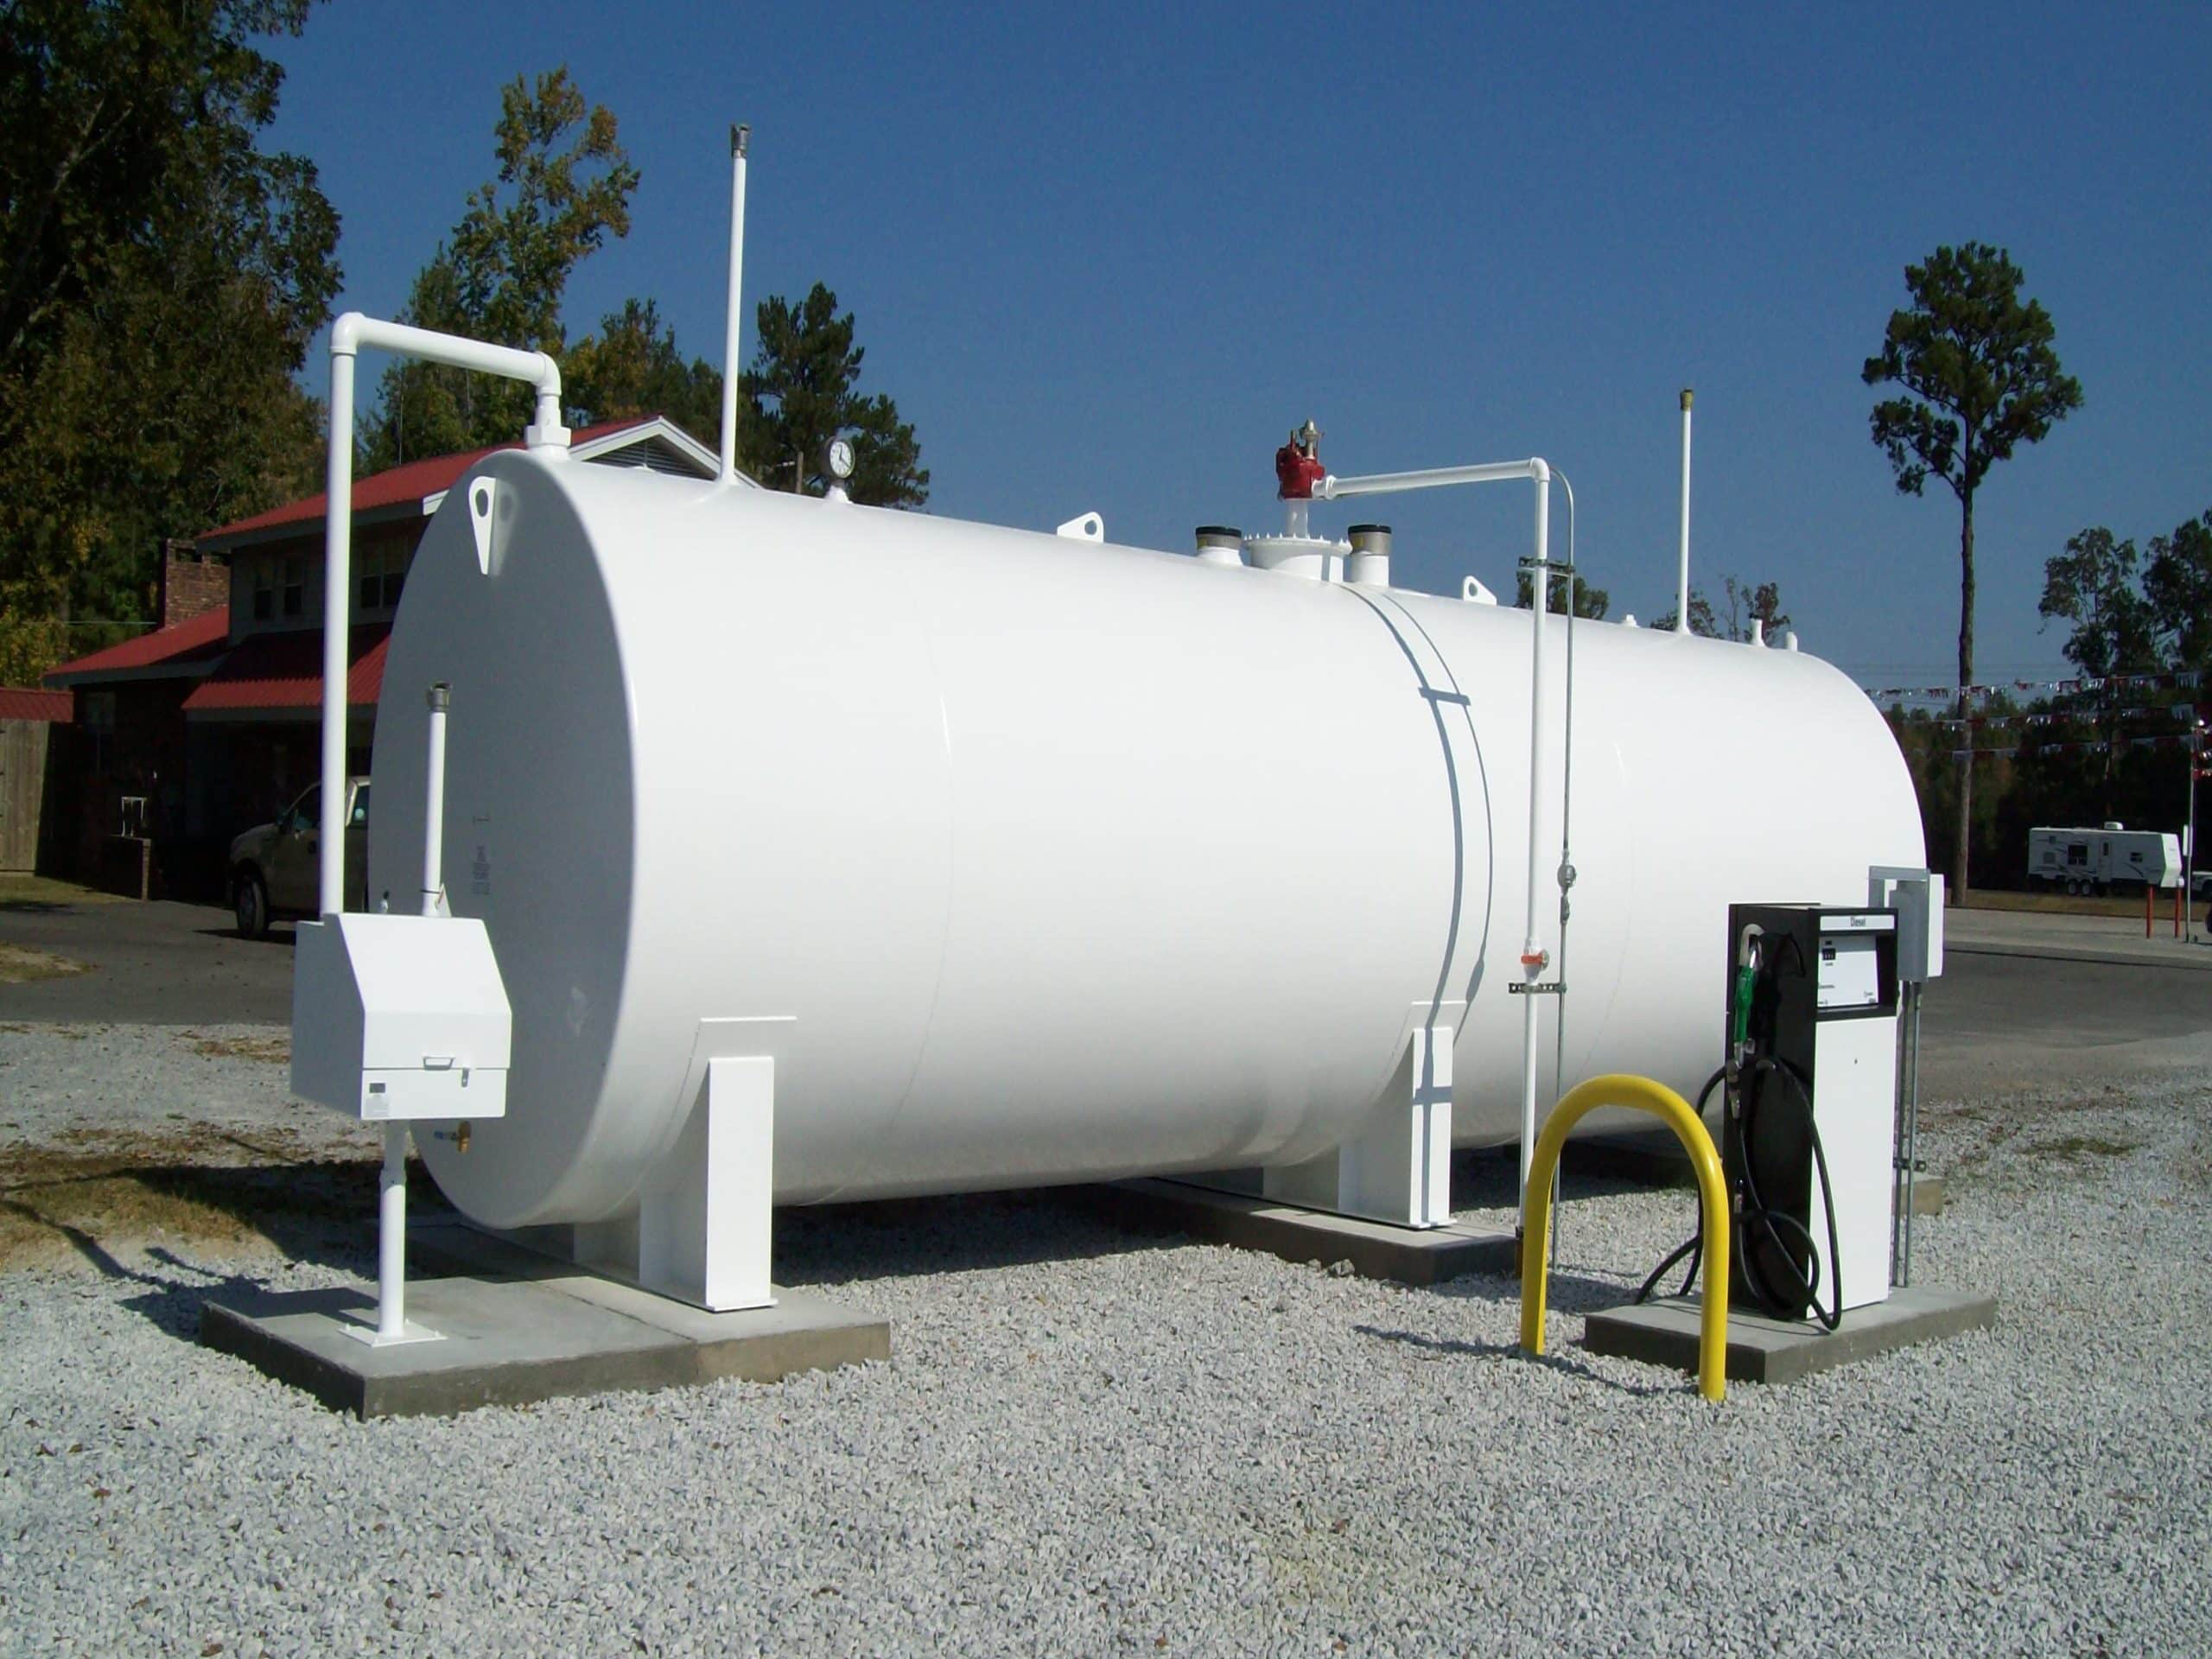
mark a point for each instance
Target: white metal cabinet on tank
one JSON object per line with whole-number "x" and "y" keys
{"x": 1059, "y": 861}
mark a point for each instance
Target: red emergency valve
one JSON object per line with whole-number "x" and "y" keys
{"x": 1296, "y": 474}
{"x": 1298, "y": 465}
{"x": 1536, "y": 961}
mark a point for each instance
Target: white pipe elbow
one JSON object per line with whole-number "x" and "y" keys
{"x": 346, "y": 335}
{"x": 1540, "y": 469}
{"x": 547, "y": 432}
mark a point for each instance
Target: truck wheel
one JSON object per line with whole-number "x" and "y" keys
{"x": 252, "y": 906}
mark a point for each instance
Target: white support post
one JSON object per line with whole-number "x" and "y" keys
{"x": 704, "y": 1230}
{"x": 1398, "y": 1168}
{"x": 705, "y": 1219}
{"x": 391, "y": 1237}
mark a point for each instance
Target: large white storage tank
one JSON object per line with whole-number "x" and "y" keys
{"x": 1069, "y": 861}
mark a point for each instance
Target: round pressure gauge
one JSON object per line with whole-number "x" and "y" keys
{"x": 841, "y": 457}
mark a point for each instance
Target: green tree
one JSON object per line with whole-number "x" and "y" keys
{"x": 1591, "y": 604}
{"x": 1744, "y": 605}
{"x": 1702, "y": 621}
{"x": 2178, "y": 586}
{"x": 146, "y": 243}
{"x": 632, "y": 369}
{"x": 1981, "y": 377}
{"x": 563, "y": 187}
{"x": 2094, "y": 586}
{"x": 801, "y": 390}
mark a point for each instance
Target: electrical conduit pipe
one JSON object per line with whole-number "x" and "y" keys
{"x": 1533, "y": 956}
{"x": 349, "y": 336}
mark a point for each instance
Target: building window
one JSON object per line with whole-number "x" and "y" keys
{"x": 265, "y": 594}
{"x": 383, "y": 572}
{"x": 295, "y": 592}
{"x": 97, "y": 709}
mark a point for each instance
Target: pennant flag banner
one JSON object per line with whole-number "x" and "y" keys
{"x": 2163, "y": 739}
{"x": 2052, "y": 688}
{"x": 2064, "y": 717}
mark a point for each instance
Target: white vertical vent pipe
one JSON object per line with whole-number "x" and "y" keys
{"x": 1534, "y": 958}
{"x": 1682, "y": 573}
{"x": 739, "y": 137}
{"x": 434, "y": 801}
{"x": 349, "y": 336}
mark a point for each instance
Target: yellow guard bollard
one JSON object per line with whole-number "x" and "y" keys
{"x": 1646, "y": 1096}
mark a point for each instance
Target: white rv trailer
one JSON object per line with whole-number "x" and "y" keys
{"x": 2099, "y": 860}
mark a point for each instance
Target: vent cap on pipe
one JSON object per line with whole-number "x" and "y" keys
{"x": 1370, "y": 564}
{"x": 1221, "y": 544}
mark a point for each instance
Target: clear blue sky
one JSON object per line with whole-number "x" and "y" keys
{"x": 1106, "y": 258}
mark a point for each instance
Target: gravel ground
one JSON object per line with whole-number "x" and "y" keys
{"x": 1093, "y": 1443}
{"x": 60, "y": 1084}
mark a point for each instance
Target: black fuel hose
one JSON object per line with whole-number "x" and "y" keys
{"x": 1756, "y": 1214}
{"x": 1805, "y": 1293}
{"x": 1693, "y": 1247}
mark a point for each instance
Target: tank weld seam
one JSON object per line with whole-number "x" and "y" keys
{"x": 1458, "y": 825}
{"x": 1482, "y": 775}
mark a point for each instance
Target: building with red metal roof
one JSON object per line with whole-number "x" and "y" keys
{"x": 203, "y": 727}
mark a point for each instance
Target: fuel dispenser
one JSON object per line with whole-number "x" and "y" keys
{"x": 1807, "y": 1132}
{"x": 1818, "y": 1115}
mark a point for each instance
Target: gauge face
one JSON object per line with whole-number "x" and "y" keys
{"x": 841, "y": 457}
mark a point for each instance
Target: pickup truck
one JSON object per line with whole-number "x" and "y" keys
{"x": 273, "y": 865}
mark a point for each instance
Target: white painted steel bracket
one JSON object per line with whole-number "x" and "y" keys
{"x": 1398, "y": 1168}
{"x": 483, "y": 505}
{"x": 703, "y": 1231}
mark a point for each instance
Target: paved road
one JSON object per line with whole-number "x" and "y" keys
{"x": 2081, "y": 938}
{"x": 2011, "y": 1012}
{"x": 2002, "y": 1021}
{"x": 153, "y": 964}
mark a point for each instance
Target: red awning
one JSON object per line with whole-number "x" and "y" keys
{"x": 270, "y": 672}
{"x": 19, "y": 702}
{"x": 186, "y": 648}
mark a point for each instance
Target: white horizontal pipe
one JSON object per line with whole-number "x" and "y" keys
{"x": 1434, "y": 478}
{"x": 353, "y": 333}
{"x": 349, "y": 336}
